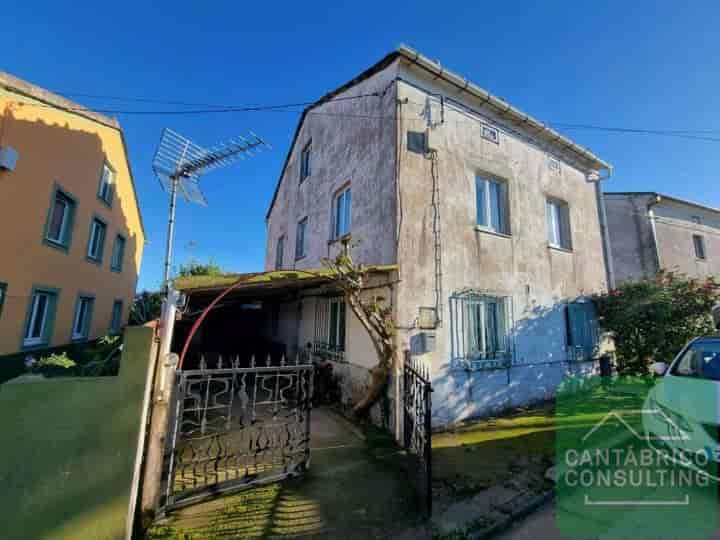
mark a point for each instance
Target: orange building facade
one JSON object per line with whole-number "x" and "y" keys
{"x": 72, "y": 238}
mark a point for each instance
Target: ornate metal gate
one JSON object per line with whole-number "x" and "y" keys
{"x": 235, "y": 427}
{"x": 417, "y": 413}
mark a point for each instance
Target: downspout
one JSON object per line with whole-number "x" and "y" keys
{"x": 657, "y": 199}
{"x": 604, "y": 232}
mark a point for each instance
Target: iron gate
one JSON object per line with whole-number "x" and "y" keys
{"x": 234, "y": 427}
{"x": 417, "y": 413}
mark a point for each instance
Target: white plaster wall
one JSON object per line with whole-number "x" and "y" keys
{"x": 538, "y": 278}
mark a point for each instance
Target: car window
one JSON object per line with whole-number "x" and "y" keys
{"x": 700, "y": 360}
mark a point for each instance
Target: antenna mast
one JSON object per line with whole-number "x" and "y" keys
{"x": 179, "y": 163}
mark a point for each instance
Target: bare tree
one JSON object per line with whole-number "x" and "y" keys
{"x": 375, "y": 316}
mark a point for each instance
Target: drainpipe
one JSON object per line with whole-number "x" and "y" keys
{"x": 657, "y": 199}
{"x": 604, "y": 233}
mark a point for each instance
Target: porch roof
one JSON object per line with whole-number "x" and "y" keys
{"x": 276, "y": 280}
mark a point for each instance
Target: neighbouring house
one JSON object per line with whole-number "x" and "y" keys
{"x": 649, "y": 231}
{"x": 493, "y": 220}
{"x": 72, "y": 237}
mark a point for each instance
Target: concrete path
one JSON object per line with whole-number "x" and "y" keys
{"x": 349, "y": 493}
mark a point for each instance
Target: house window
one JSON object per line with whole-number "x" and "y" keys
{"x": 116, "y": 318}
{"x": 279, "y": 249}
{"x": 3, "y": 293}
{"x": 699, "y": 242}
{"x": 330, "y": 325}
{"x": 38, "y": 328}
{"x": 305, "y": 163}
{"x": 554, "y": 166}
{"x": 581, "y": 330}
{"x": 107, "y": 183}
{"x": 341, "y": 214}
{"x": 558, "y": 218}
{"x": 300, "y": 239}
{"x": 96, "y": 242}
{"x": 491, "y": 134}
{"x": 60, "y": 220}
{"x": 118, "y": 253}
{"x": 83, "y": 317}
{"x": 492, "y": 205}
{"x": 480, "y": 330}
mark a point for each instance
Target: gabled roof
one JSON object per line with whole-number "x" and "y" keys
{"x": 24, "y": 88}
{"x": 500, "y": 106}
{"x": 660, "y": 197}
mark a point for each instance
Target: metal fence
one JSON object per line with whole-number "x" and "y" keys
{"x": 417, "y": 433}
{"x": 236, "y": 427}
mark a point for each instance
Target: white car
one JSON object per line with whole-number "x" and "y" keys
{"x": 681, "y": 414}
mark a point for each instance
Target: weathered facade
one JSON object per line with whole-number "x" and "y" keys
{"x": 493, "y": 221}
{"x": 72, "y": 237}
{"x": 651, "y": 231}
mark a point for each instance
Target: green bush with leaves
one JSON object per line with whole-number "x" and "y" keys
{"x": 146, "y": 307}
{"x": 652, "y": 320}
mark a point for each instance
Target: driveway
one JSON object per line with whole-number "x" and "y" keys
{"x": 353, "y": 490}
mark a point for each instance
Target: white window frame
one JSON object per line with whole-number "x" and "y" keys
{"x": 116, "y": 322}
{"x": 470, "y": 341}
{"x": 489, "y": 184}
{"x": 116, "y": 260}
{"x": 306, "y": 161}
{"x": 65, "y": 218}
{"x": 699, "y": 242}
{"x": 300, "y": 236}
{"x": 279, "y": 252}
{"x": 558, "y": 223}
{"x": 107, "y": 183}
{"x": 342, "y": 213}
{"x": 30, "y": 340}
{"x": 83, "y": 311}
{"x": 95, "y": 226}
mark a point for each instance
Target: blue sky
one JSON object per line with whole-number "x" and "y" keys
{"x": 652, "y": 65}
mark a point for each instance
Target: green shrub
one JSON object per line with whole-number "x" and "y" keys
{"x": 652, "y": 320}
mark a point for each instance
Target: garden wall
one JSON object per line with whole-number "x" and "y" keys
{"x": 68, "y": 450}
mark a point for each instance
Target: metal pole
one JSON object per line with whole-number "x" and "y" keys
{"x": 170, "y": 232}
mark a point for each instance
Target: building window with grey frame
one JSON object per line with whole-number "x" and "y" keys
{"x": 107, "y": 184}
{"x": 3, "y": 294}
{"x": 300, "y": 239}
{"x": 699, "y": 243}
{"x": 306, "y": 161}
{"x": 116, "y": 321}
{"x": 558, "y": 223}
{"x": 279, "y": 252}
{"x": 342, "y": 208}
{"x": 61, "y": 218}
{"x": 82, "y": 318}
{"x": 96, "y": 240}
{"x": 480, "y": 330}
{"x": 118, "y": 254}
{"x": 40, "y": 318}
{"x": 492, "y": 204}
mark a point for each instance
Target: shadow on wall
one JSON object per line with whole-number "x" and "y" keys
{"x": 539, "y": 366}
{"x": 69, "y": 448}
{"x": 51, "y": 154}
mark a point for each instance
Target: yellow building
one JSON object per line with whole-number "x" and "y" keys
{"x": 71, "y": 233}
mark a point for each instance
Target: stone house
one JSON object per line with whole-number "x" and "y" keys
{"x": 492, "y": 221}
{"x": 649, "y": 231}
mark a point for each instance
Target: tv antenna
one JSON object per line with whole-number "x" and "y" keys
{"x": 179, "y": 163}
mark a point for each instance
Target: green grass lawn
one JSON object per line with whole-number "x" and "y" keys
{"x": 492, "y": 451}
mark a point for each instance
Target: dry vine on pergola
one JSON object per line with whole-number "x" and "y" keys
{"x": 375, "y": 316}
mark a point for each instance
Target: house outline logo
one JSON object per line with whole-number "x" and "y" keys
{"x": 618, "y": 415}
